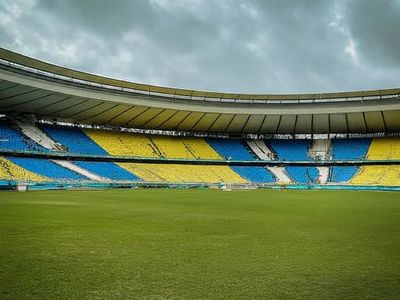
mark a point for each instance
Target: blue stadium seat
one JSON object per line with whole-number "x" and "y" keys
{"x": 74, "y": 139}
{"x": 254, "y": 174}
{"x": 12, "y": 139}
{"x": 295, "y": 150}
{"x": 46, "y": 168}
{"x": 304, "y": 175}
{"x": 107, "y": 170}
{"x": 342, "y": 174}
{"x": 350, "y": 148}
{"x": 347, "y": 149}
{"x": 231, "y": 149}
{"x": 290, "y": 149}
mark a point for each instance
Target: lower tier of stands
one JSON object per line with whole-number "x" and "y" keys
{"x": 304, "y": 175}
{"x": 176, "y": 173}
{"x": 11, "y": 171}
{"x": 342, "y": 174}
{"x": 107, "y": 170}
{"x": 255, "y": 174}
{"x": 40, "y": 170}
{"x": 45, "y": 168}
{"x": 377, "y": 175}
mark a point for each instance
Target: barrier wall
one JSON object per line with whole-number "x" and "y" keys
{"x": 36, "y": 186}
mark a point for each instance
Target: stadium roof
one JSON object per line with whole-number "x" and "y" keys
{"x": 28, "y": 85}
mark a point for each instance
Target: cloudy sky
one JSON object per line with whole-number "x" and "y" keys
{"x": 264, "y": 46}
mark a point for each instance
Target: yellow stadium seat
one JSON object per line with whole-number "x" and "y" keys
{"x": 384, "y": 148}
{"x": 177, "y": 173}
{"x": 186, "y": 147}
{"x": 10, "y": 171}
{"x": 131, "y": 144}
{"x": 200, "y": 148}
{"x": 124, "y": 143}
{"x": 388, "y": 175}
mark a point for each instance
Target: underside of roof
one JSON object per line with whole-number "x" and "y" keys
{"x": 31, "y": 86}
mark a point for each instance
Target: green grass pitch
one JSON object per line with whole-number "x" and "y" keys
{"x": 199, "y": 244}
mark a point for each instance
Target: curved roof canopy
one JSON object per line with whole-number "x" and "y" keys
{"x": 28, "y": 85}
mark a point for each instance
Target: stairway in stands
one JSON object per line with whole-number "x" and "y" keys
{"x": 264, "y": 153}
{"x": 32, "y": 132}
{"x": 321, "y": 150}
{"x": 295, "y": 150}
{"x": 234, "y": 149}
{"x": 347, "y": 149}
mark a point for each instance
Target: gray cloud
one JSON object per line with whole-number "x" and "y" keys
{"x": 276, "y": 46}
{"x": 375, "y": 26}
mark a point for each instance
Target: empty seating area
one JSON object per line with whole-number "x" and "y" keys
{"x": 107, "y": 170}
{"x": 141, "y": 145}
{"x": 12, "y": 139}
{"x": 377, "y": 175}
{"x": 304, "y": 175}
{"x": 182, "y": 173}
{"x": 124, "y": 143}
{"x": 199, "y": 148}
{"x": 185, "y": 148}
{"x": 295, "y": 150}
{"x": 45, "y": 168}
{"x": 232, "y": 149}
{"x": 73, "y": 139}
{"x": 12, "y": 171}
{"x": 121, "y": 143}
{"x": 341, "y": 174}
{"x": 237, "y": 150}
{"x": 384, "y": 148}
{"x": 254, "y": 174}
{"x": 350, "y": 148}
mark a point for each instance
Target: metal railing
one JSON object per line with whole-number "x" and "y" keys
{"x": 52, "y": 154}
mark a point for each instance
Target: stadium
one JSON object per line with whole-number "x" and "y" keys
{"x": 63, "y": 128}
{"x": 111, "y": 188}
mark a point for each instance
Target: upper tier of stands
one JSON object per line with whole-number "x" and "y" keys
{"x": 73, "y": 139}
{"x": 296, "y": 150}
{"x": 384, "y": 148}
{"x": 140, "y": 145}
{"x": 231, "y": 149}
{"x": 123, "y": 143}
{"x": 350, "y": 148}
{"x": 12, "y": 139}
